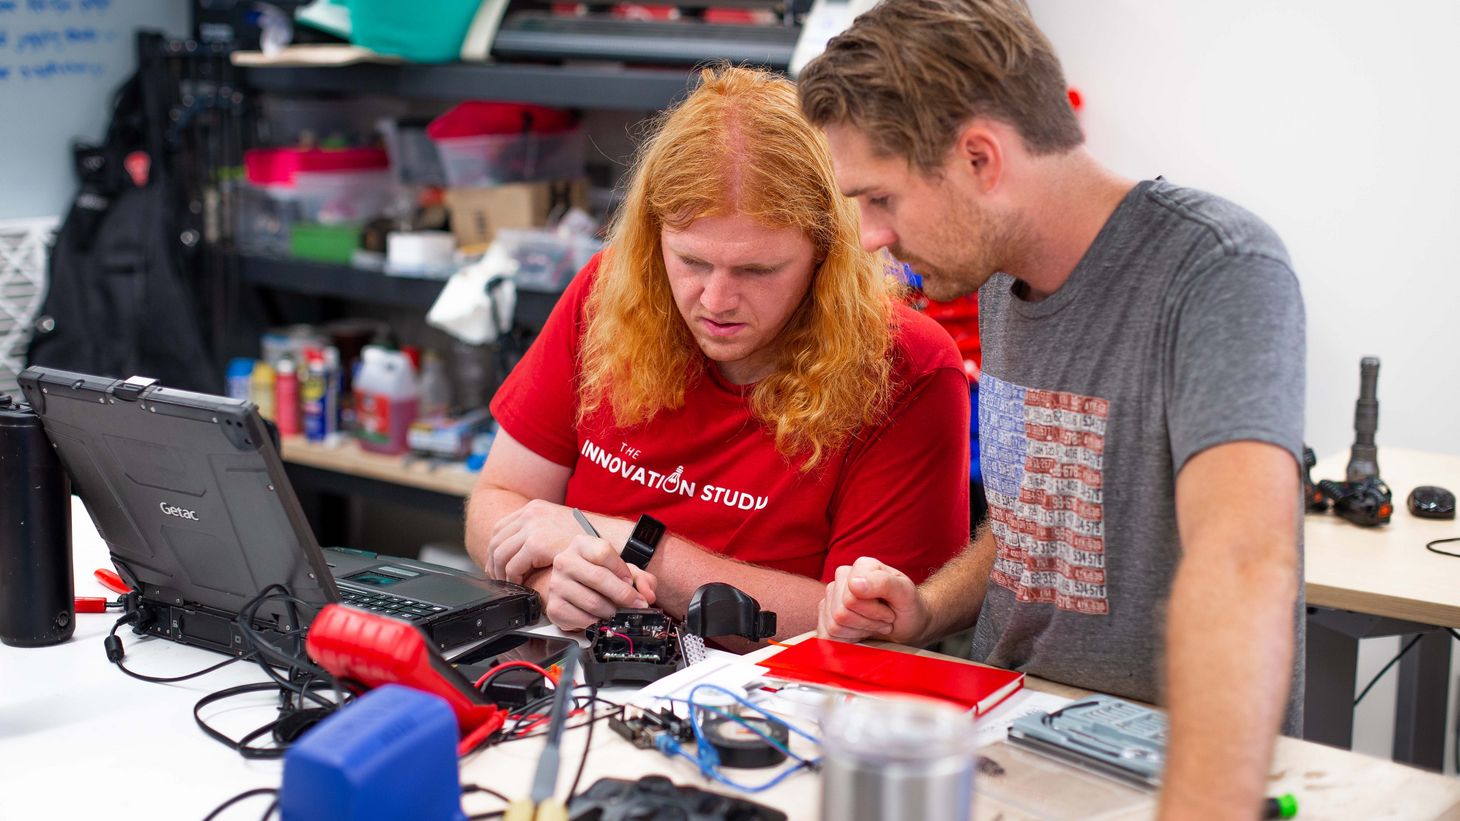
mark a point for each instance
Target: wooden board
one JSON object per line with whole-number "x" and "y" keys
{"x": 1386, "y": 571}
{"x": 452, "y": 479}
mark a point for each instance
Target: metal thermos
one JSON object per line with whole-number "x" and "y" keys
{"x": 896, "y": 759}
{"x": 37, "y": 604}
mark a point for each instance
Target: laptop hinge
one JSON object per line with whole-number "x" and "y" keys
{"x": 131, "y": 389}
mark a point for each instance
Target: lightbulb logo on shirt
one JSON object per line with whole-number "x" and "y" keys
{"x": 672, "y": 483}
{"x": 1043, "y": 457}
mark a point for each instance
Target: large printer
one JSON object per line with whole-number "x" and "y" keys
{"x": 777, "y": 34}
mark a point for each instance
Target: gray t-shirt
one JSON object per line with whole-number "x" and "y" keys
{"x": 1181, "y": 328}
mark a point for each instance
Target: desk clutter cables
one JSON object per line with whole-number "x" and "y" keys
{"x": 360, "y": 695}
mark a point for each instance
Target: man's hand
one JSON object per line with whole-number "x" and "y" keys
{"x": 871, "y": 599}
{"x": 590, "y": 582}
{"x": 528, "y": 539}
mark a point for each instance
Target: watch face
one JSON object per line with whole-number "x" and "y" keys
{"x": 648, "y": 531}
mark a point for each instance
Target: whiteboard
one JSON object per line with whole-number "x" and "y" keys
{"x": 60, "y": 61}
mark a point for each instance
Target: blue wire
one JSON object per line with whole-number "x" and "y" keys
{"x": 769, "y": 739}
{"x": 757, "y": 708}
{"x": 707, "y": 761}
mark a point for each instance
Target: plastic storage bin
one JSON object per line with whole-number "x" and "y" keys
{"x": 324, "y": 243}
{"x": 494, "y": 159}
{"x": 546, "y": 261}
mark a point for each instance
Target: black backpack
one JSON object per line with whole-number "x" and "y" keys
{"x": 119, "y": 298}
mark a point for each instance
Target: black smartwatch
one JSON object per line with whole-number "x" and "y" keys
{"x": 643, "y": 542}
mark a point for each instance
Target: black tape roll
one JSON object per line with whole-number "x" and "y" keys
{"x": 739, "y": 746}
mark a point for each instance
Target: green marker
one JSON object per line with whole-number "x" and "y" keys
{"x": 1284, "y": 806}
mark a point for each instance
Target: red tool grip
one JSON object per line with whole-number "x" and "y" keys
{"x": 111, "y": 581}
{"x": 373, "y": 650}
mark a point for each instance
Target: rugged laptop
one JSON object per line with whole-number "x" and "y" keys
{"x": 190, "y": 495}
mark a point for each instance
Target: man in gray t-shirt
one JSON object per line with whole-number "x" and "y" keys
{"x": 1181, "y": 328}
{"x": 1141, "y": 402}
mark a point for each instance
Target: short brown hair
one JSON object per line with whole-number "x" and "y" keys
{"x": 910, "y": 73}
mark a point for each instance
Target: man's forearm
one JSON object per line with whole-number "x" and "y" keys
{"x": 1229, "y": 643}
{"x": 483, "y": 509}
{"x": 954, "y": 594}
{"x": 681, "y": 567}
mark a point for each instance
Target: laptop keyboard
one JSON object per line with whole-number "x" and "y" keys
{"x": 387, "y": 605}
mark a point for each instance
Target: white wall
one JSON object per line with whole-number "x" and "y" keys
{"x": 60, "y": 61}
{"x": 1334, "y": 120}
{"x": 1337, "y": 122}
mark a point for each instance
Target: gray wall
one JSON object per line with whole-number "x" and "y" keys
{"x": 60, "y": 60}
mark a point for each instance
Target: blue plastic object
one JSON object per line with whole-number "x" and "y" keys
{"x": 390, "y": 754}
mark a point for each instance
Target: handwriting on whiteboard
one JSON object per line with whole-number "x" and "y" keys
{"x": 46, "y": 40}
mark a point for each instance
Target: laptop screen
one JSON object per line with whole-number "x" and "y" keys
{"x": 186, "y": 489}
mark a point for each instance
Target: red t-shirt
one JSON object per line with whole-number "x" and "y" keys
{"x": 710, "y": 470}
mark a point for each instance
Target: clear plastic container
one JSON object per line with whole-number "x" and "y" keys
{"x": 264, "y": 216}
{"x": 493, "y": 159}
{"x": 546, "y": 260}
{"x": 340, "y": 197}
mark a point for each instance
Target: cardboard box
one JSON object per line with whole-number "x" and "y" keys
{"x": 477, "y": 213}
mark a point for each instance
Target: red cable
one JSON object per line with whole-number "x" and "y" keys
{"x": 477, "y": 736}
{"x": 613, "y": 632}
{"x": 507, "y": 665}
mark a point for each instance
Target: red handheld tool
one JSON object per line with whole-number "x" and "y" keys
{"x": 111, "y": 581}
{"x": 373, "y": 650}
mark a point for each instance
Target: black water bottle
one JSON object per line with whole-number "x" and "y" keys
{"x": 37, "y": 593}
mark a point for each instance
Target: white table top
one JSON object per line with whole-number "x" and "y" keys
{"x": 1386, "y": 571}
{"x": 78, "y": 739}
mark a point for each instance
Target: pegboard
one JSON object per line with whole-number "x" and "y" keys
{"x": 24, "y": 247}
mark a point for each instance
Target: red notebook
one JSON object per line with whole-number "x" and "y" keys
{"x": 864, "y": 669}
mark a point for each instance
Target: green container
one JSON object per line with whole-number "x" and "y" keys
{"x": 419, "y": 32}
{"x": 324, "y": 243}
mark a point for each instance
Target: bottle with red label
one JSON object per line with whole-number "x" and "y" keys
{"x": 386, "y": 397}
{"x": 286, "y": 398}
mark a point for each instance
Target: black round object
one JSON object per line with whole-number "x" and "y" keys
{"x": 1431, "y": 502}
{"x": 739, "y": 746}
{"x": 37, "y": 598}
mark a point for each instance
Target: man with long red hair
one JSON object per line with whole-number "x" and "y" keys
{"x": 737, "y": 367}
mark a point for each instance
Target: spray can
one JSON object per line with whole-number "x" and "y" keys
{"x": 312, "y": 388}
{"x": 37, "y": 604}
{"x": 286, "y": 398}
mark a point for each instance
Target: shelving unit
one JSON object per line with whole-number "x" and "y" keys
{"x": 338, "y": 473}
{"x": 320, "y": 279}
{"x": 573, "y": 86}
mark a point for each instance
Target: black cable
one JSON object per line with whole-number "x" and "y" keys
{"x": 587, "y": 743}
{"x": 1392, "y": 662}
{"x": 240, "y": 797}
{"x": 162, "y": 679}
{"x": 468, "y": 789}
{"x": 268, "y": 811}
{"x": 1430, "y": 546}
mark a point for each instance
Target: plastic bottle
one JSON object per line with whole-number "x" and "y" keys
{"x": 240, "y": 377}
{"x": 435, "y": 387}
{"x": 261, "y": 389}
{"x": 286, "y": 398}
{"x": 386, "y": 397}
